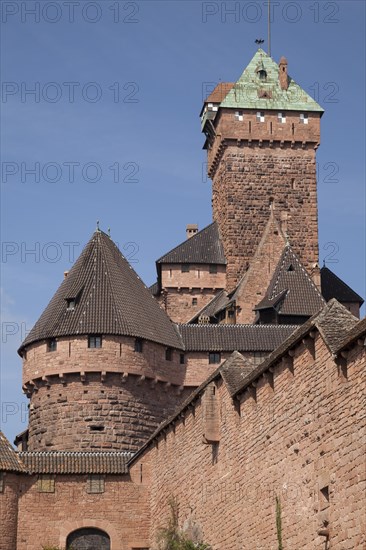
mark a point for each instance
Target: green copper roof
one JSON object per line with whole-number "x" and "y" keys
{"x": 245, "y": 93}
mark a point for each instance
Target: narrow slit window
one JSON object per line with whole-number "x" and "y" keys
{"x": 138, "y": 345}
{"x": 168, "y": 354}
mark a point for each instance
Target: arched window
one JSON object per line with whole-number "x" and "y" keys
{"x": 88, "y": 538}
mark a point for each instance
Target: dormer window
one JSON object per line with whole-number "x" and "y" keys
{"x": 71, "y": 304}
{"x": 281, "y": 118}
{"x": 260, "y": 116}
{"x": 262, "y": 73}
{"x": 239, "y": 115}
{"x": 94, "y": 341}
{"x": 52, "y": 344}
{"x": 304, "y": 118}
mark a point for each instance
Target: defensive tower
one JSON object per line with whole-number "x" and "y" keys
{"x": 262, "y": 134}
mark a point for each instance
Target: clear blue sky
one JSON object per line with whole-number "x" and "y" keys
{"x": 126, "y": 91}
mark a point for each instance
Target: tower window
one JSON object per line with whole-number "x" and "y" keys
{"x": 260, "y": 116}
{"x": 185, "y": 268}
{"x": 46, "y": 483}
{"x": 214, "y": 357}
{"x": 304, "y": 118}
{"x": 239, "y": 115}
{"x": 94, "y": 341}
{"x": 168, "y": 354}
{"x": 52, "y": 344}
{"x": 281, "y": 118}
{"x": 138, "y": 345}
{"x": 262, "y": 74}
{"x": 71, "y": 304}
{"x": 213, "y": 268}
{"x": 95, "y": 484}
{"x": 194, "y": 301}
{"x": 182, "y": 359}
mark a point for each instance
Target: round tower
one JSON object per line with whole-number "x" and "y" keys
{"x": 103, "y": 366}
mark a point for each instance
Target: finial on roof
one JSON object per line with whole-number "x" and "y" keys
{"x": 97, "y": 229}
{"x": 109, "y": 232}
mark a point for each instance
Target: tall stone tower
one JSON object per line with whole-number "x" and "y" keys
{"x": 262, "y": 134}
{"x": 102, "y": 364}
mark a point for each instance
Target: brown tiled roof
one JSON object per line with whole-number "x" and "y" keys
{"x": 63, "y": 462}
{"x": 333, "y": 322}
{"x": 220, "y": 92}
{"x": 334, "y": 287}
{"x": 9, "y": 458}
{"x": 232, "y": 371}
{"x": 234, "y": 337}
{"x": 291, "y": 289}
{"x": 111, "y": 299}
{"x": 204, "y": 247}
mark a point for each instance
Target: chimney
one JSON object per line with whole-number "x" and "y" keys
{"x": 315, "y": 275}
{"x": 192, "y": 229}
{"x": 65, "y": 274}
{"x": 283, "y": 73}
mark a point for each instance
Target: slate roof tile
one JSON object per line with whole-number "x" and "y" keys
{"x": 111, "y": 299}
{"x": 204, "y": 247}
{"x": 334, "y": 287}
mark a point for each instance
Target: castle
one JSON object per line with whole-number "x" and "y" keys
{"x": 234, "y": 384}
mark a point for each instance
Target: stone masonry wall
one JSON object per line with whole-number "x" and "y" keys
{"x": 9, "y": 511}
{"x": 185, "y": 294}
{"x": 248, "y": 180}
{"x": 298, "y": 437}
{"x": 115, "y": 413}
{"x": 122, "y": 511}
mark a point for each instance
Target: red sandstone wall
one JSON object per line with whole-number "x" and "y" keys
{"x": 303, "y": 434}
{"x": 47, "y": 518}
{"x": 68, "y": 416}
{"x": 178, "y": 303}
{"x": 251, "y": 168}
{"x": 9, "y": 512}
{"x": 116, "y": 355}
{"x": 198, "y": 276}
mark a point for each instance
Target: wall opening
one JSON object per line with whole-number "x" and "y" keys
{"x": 88, "y": 538}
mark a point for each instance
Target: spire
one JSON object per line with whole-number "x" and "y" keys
{"x": 108, "y": 297}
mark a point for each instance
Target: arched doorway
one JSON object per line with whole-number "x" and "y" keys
{"x": 88, "y": 538}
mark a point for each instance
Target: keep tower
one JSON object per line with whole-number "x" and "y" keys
{"x": 101, "y": 366}
{"x": 262, "y": 133}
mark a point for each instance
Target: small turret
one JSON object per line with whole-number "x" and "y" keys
{"x": 283, "y": 76}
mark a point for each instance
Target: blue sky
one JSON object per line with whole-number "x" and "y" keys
{"x": 113, "y": 134}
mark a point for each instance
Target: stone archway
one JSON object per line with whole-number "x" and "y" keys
{"x": 88, "y": 538}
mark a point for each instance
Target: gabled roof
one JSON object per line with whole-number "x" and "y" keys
{"x": 234, "y": 337}
{"x": 333, "y": 322}
{"x": 218, "y": 303}
{"x": 204, "y": 247}
{"x": 333, "y": 287}
{"x": 244, "y": 94}
{"x": 66, "y": 462}
{"x": 110, "y": 299}
{"x": 9, "y": 458}
{"x": 291, "y": 290}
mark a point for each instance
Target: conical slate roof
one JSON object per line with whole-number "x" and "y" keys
{"x": 110, "y": 299}
{"x": 244, "y": 93}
